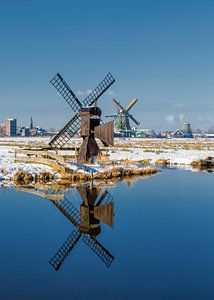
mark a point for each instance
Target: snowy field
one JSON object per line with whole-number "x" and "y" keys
{"x": 8, "y": 168}
{"x": 24, "y": 140}
{"x": 178, "y": 152}
{"x": 175, "y": 157}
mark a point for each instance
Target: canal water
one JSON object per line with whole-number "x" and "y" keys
{"x": 148, "y": 239}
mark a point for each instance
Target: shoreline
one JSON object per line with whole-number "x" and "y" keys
{"x": 127, "y": 154}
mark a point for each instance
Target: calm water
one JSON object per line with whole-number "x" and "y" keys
{"x": 161, "y": 246}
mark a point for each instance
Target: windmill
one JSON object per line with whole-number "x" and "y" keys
{"x": 87, "y": 222}
{"x": 122, "y": 117}
{"x": 86, "y": 119}
{"x": 96, "y": 207}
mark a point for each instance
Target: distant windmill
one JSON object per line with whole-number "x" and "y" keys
{"x": 122, "y": 117}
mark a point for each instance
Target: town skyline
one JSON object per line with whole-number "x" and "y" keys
{"x": 12, "y": 128}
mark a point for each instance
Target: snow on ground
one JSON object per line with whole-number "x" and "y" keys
{"x": 24, "y": 140}
{"x": 8, "y": 168}
{"x": 31, "y": 140}
{"x": 131, "y": 149}
{"x": 175, "y": 157}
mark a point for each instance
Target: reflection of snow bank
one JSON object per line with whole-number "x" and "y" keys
{"x": 8, "y": 168}
{"x": 180, "y": 157}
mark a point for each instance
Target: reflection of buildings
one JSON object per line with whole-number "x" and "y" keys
{"x": 97, "y": 206}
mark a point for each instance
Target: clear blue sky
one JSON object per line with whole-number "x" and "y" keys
{"x": 159, "y": 51}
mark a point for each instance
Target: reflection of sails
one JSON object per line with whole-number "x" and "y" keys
{"x": 95, "y": 207}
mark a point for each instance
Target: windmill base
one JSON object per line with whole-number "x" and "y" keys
{"x": 88, "y": 151}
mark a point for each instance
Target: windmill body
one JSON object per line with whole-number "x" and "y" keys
{"x": 87, "y": 119}
{"x": 122, "y": 121}
{"x": 123, "y": 116}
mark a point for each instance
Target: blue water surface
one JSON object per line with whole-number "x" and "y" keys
{"x": 162, "y": 241}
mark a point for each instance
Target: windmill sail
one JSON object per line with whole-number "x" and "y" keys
{"x": 61, "y": 85}
{"x": 105, "y": 198}
{"x": 134, "y": 120}
{"x": 66, "y": 133}
{"x": 99, "y": 250}
{"x": 105, "y": 132}
{"x": 58, "y": 259}
{"x": 131, "y": 103}
{"x": 99, "y": 90}
{"x": 105, "y": 213}
{"x": 117, "y": 105}
{"x": 68, "y": 210}
{"x": 104, "y": 209}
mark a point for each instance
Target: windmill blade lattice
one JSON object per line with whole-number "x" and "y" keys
{"x": 117, "y": 105}
{"x": 99, "y": 90}
{"x": 105, "y": 198}
{"x": 99, "y": 250}
{"x": 66, "y": 133}
{"x": 131, "y": 103}
{"x": 61, "y": 85}
{"x": 134, "y": 120}
{"x": 58, "y": 259}
{"x": 68, "y": 210}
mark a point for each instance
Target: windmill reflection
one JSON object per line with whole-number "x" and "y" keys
{"x": 97, "y": 206}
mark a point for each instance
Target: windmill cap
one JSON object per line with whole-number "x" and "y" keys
{"x": 94, "y": 110}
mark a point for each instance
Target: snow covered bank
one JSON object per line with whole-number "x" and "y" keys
{"x": 8, "y": 168}
{"x": 175, "y": 157}
{"x": 24, "y": 140}
{"x": 177, "y": 152}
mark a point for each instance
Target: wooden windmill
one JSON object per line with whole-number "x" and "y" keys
{"x": 87, "y": 120}
{"x": 123, "y": 115}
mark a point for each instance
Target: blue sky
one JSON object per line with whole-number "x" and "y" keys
{"x": 158, "y": 51}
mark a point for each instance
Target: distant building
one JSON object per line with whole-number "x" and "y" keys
{"x": 164, "y": 135}
{"x": 209, "y": 135}
{"x": 145, "y": 133}
{"x": 124, "y": 133}
{"x": 31, "y": 123}
{"x": 186, "y": 132}
{"x": 33, "y": 132}
{"x": 25, "y": 131}
{"x": 11, "y": 127}
{"x": 2, "y": 129}
{"x": 40, "y": 131}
